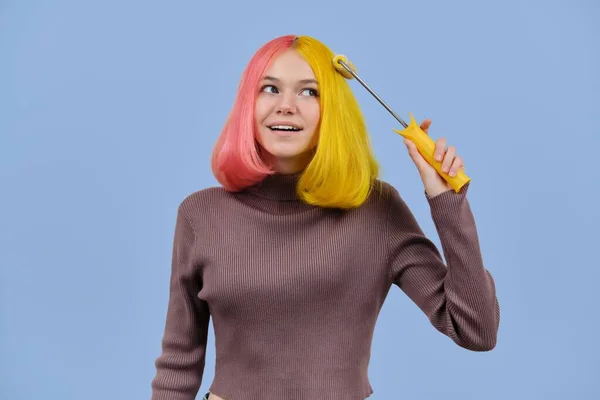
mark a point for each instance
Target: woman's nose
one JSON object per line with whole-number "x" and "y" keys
{"x": 287, "y": 105}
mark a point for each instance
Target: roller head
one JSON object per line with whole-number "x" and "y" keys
{"x": 340, "y": 68}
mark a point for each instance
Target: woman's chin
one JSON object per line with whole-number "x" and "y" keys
{"x": 289, "y": 160}
{"x": 287, "y": 152}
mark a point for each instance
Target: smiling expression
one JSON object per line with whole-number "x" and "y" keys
{"x": 287, "y": 113}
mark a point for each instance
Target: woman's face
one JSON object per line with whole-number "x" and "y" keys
{"x": 287, "y": 113}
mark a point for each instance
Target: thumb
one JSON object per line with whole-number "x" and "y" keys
{"x": 414, "y": 154}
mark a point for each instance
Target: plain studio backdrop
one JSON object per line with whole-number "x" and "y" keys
{"x": 109, "y": 111}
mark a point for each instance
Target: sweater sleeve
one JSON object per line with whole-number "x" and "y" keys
{"x": 459, "y": 298}
{"x": 180, "y": 366}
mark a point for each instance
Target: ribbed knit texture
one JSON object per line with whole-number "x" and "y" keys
{"x": 294, "y": 290}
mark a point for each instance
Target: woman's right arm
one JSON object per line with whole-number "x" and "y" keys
{"x": 180, "y": 366}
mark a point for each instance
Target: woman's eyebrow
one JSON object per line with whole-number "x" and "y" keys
{"x": 302, "y": 81}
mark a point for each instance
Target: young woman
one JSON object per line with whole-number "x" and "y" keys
{"x": 294, "y": 255}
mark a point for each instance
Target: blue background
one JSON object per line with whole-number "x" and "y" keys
{"x": 108, "y": 114}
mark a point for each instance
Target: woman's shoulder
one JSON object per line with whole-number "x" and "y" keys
{"x": 386, "y": 199}
{"x": 203, "y": 200}
{"x": 382, "y": 193}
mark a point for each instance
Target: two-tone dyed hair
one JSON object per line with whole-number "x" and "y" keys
{"x": 342, "y": 171}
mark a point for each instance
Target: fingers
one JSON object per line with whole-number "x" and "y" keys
{"x": 457, "y": 164}
{"x": 440, "y": 149}
{"x": 448, "y": 159}
{"x": 451, "y": 163}
{"x": 440, "y": 145}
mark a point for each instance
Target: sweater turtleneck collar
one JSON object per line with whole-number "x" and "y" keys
{"x": 278, "y": 187}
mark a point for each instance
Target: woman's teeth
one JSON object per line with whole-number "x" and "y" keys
{"x": 284, "y": 128}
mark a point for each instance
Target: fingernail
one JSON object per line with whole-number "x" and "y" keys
{"x": 452, "y": 173}
{"x": 445, "y": 169}
{"x": 438, "y": 157}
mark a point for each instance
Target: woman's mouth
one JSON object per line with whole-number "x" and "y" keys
{"x": 284, "y": 128}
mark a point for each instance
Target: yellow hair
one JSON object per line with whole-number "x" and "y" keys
{"x": 343, "y": 169}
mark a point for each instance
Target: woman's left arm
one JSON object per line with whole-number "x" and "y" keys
{"x": 458, "y": 298}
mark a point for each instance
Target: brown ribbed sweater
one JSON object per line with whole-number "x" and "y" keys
{"x": 294, "y": 290}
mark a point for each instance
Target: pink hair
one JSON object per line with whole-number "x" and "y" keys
{"x": 236, "y": 162}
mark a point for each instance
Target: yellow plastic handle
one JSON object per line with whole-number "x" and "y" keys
{"x": 426, "y": 147}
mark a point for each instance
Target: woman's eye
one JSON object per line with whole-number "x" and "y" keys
{"x": 310, "y": 92}
{"x": 269, "y": 89}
